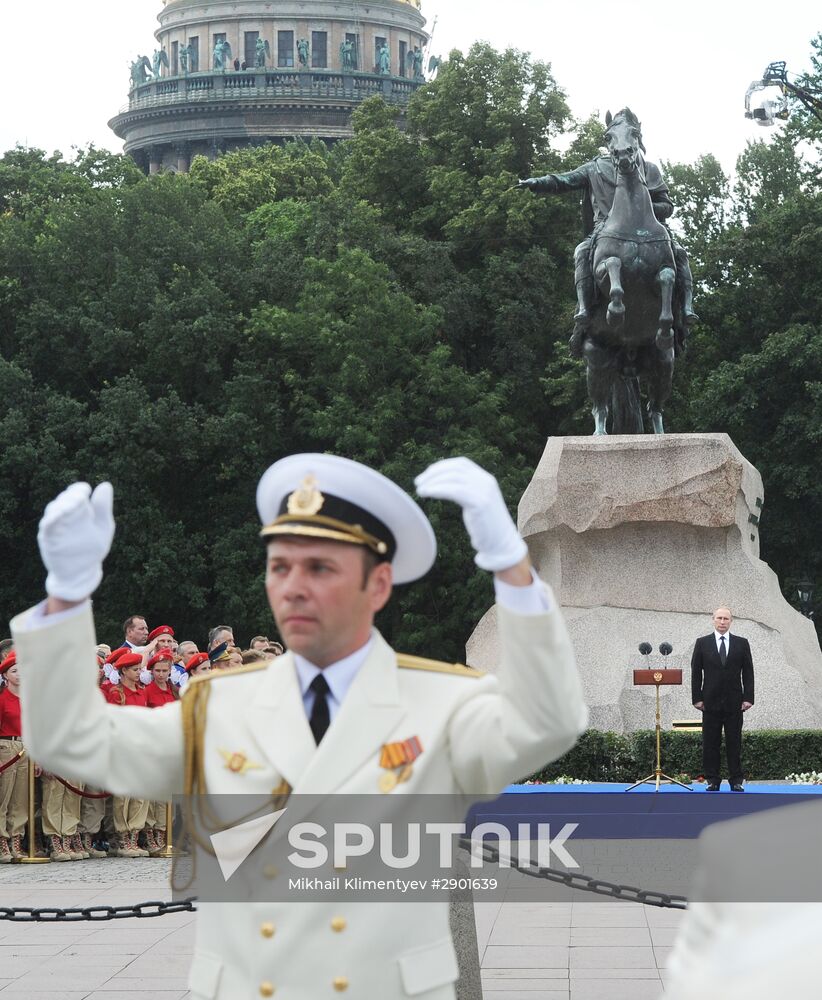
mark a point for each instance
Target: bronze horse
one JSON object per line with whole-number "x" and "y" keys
{"x": 633, "y": 260}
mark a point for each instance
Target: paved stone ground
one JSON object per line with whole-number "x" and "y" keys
{"x": 576, "y": 950}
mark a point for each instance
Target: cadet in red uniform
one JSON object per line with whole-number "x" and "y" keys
{"x": 159, "y": 638}
{"x": 110, "y": 668}
{"x": 13, "y": 780}
{"x": 129, "y": 691}
{"x": 164, "y": 634}
{"x": 159, "y": 692}
{"x": 200, "y": 663}
{"x": 128, "y": 814}
{"x": 93, "y": 807}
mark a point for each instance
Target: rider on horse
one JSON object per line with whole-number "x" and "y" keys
{"x": 598, "y": 178}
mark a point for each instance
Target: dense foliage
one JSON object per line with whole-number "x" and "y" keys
{"x": 393, "y": 299}
{"x": 770, "y": 755}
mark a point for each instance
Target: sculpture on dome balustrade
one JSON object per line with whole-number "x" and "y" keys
{"x": 415, "y": 63}
{"x": 347, "y": 55}
{"x": 140, "y": 71}
{"x": 302, "y": 51}
{"x": 222, "y": 54}
{"x": 262, "y": 53}
{"x": 384, "y": 60}
{"x": 160, "y": 58}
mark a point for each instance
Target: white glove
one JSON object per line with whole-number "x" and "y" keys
{"x": 493, "y": 534}
{"x": 75, "y": 535}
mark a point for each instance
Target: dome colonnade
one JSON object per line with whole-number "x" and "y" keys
{"x": 227, "y": 74}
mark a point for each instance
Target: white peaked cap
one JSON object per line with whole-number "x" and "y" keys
{"x": 325, "y": 496}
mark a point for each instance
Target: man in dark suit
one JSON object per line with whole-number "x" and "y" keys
{"x": 722, "y": 688}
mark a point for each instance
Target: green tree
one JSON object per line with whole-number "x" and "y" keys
{"x": 245, "y": 179}
{"x": 770, "y": 402}
{"x": 486, "y": 120}
{"x": 702, "y": 197}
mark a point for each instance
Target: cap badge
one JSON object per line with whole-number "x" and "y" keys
{"x": 306, "y": 500}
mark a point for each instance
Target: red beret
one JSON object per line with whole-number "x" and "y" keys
{"x": 9, "y": 661}
{"x": 160, "y": 630}
{"x": 164, "y": 654}
{"x": 128, "y": 660}
{"x": 196, "y": 660}
{"x": 115, "y": 654}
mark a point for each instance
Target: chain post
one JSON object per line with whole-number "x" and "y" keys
{"x": 32, "y": 858}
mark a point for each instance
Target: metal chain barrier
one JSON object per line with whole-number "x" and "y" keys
{"x": 79, "y": 791}
{"x": 585, "y": 883}
{"x": 57, "y": 914}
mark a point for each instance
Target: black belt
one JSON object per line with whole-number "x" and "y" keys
{"x": 9, "y": 737}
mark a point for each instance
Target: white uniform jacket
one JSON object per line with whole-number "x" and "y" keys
{"x": 727, "y": 949}
{"x": 478, "y": 734}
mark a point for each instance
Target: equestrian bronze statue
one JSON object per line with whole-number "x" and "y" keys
{"x": 633, "y": 280}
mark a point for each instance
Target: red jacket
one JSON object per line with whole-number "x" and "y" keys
{"x": 9, "y": 713}
{"x": 118, "y": 694}
{"x": 155, "y": 696}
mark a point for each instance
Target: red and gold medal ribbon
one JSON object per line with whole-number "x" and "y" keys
{"x": 399, "y": 754}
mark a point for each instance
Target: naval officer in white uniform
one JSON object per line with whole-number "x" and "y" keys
{"x": 319, "y": 719}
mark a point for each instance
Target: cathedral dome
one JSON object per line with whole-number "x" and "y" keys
{"x": 232, "y": 73}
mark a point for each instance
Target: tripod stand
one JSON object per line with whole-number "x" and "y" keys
{"x": 658, "y": 678}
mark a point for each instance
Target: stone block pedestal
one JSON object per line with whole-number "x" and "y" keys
{"x": 641, "y": 538}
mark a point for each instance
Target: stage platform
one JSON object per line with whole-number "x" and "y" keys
{"x": 609, "y": 811}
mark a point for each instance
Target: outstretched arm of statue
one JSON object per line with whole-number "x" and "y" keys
{"x": 541, "y": 185}
{"x": 573, "y": 180}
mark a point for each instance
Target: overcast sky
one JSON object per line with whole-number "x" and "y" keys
{"x": 689, "y": 89}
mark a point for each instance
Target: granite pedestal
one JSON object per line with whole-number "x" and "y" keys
{"x": 641, "y": 538}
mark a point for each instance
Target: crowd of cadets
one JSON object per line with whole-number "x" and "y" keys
{"x": 77, "y": 822}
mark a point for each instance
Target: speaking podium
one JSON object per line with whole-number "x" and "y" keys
{"x": 657, "y": 677}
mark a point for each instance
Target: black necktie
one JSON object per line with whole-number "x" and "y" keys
{"x": 723, "y": 653}
{"x": 320, "y": 714}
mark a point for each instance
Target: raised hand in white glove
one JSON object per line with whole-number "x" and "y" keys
{"x": 493, "y": 534}
{"x": 75, "y": 535}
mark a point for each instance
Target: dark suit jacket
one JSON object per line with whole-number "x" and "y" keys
{"x": 722, "y": 688}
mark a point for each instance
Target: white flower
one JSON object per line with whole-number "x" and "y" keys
{"x": 805, "y": 778}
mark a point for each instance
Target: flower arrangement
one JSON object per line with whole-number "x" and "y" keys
{"x": 805, "y": 778}
{"x": 563, "y": 779}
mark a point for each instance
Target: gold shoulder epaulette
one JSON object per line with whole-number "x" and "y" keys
{"x": 436, "y": 666}
{"x": 247, "y": 668}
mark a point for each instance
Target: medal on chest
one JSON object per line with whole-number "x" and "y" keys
{"x": 397, "y": 760}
